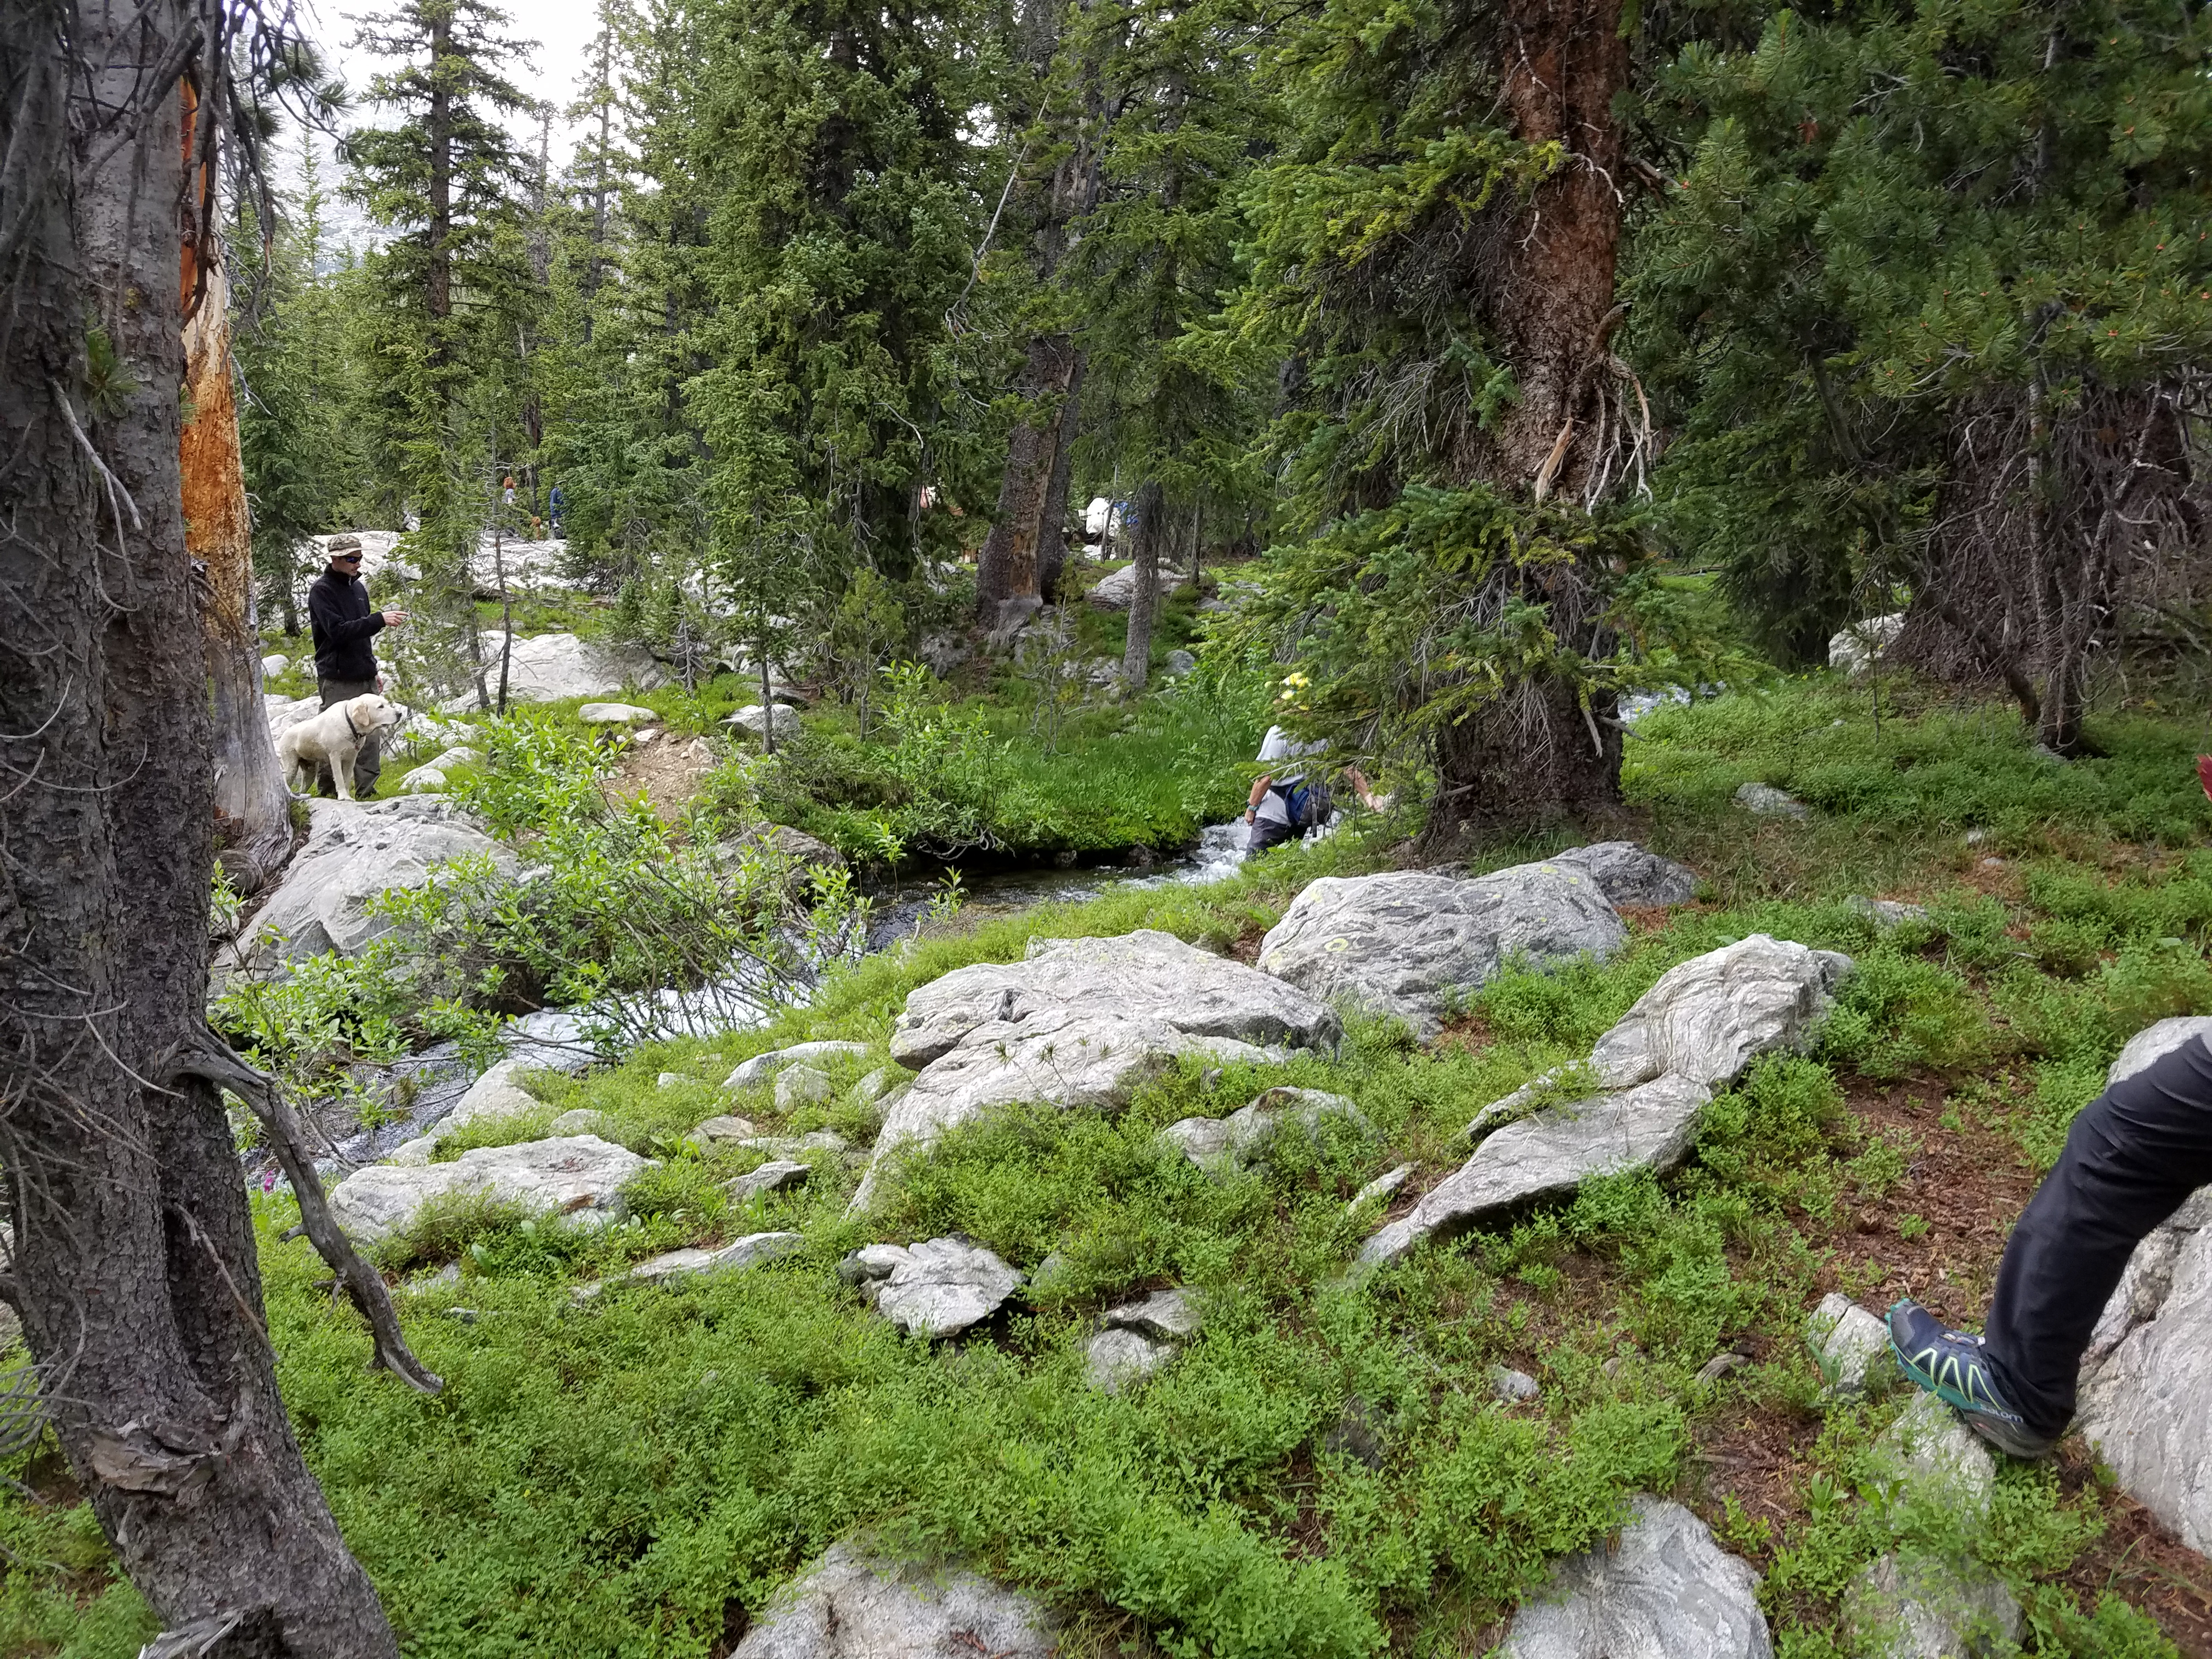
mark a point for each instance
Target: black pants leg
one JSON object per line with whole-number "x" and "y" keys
{"x": 2133, "y": 1155}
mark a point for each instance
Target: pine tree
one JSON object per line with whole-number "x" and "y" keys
{"x": 1436, "y": 257}
{"x": 451, "y": 288}
{"x": 831, "y": 146}
{"x": 1934, "y": 294}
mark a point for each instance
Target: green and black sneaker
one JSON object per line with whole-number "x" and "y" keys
{"x": 1953, "y": 1366}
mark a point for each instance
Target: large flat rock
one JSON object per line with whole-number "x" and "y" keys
{"x": 1410, "y": 943}
{"x": 1695, "y": 1030}
{"x": 355, "y": 851}
{"x": 1082, "y": 1022}
{"x": 851, "y": 1604}
{"x": 547, "y": 667}
{"x": 578, "y": 1177}
{"x": 1627, "y": 874}
{"x": 1664, "y": 1590}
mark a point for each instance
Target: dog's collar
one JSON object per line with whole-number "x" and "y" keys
{"x": 350, "y": 726}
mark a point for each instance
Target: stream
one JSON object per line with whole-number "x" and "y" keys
{"x": 425, "y": 1087}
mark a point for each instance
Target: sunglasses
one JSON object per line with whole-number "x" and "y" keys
{"x": 347, "y": 558}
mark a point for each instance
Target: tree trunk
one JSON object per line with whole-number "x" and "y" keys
{"x": 1144, "y": 593}
{"x": 1052, "y": 522}
{"x": 1529, "y": 757}
{"x": 133, "y": 1250}
{"x": 253, "y": 808}
{"x": 1008, "y": 567}
{"x": 1553, "y": 304}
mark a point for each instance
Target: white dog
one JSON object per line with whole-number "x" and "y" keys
{"x": 335, "y": 737}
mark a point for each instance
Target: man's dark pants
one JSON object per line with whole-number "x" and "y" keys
{"x": 369, "y": 759}
{"x": 2132, "y": 1157}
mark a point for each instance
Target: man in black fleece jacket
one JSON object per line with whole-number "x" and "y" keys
{"x": 345, "y": 663}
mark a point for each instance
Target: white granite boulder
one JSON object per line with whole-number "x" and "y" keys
{"x": 753, "y": 1250}
{"x": 1137, "y": 1339}
{"x": 1116, "y": 589}
{"x": 1858, "y": 647}
{"x": 579, "y": 1177}
{"x": 853, "y": 1605}
{"x": 2147, "y": 1379}
{"x": 1663, "y": 1590}
{"x": 761, "y": 1068}
{"x": 1697, "y": 1029}
{"x": 1914, "y": 1606}
{"x": 615, "y": 714}
{"x": 355, "y": 851}
{"x": 424, "y": 781}
{"x": 274, "y": 665}
{"x": 938, "y": 1287}
{"x": 547, "y": 667}
{"x": 1082, "y": 1022}
{"x": 1627, "y": 874}
{"x": 1242, "y": 1137}
{"x": 801, "y": 1085}
{"x": 494, "y": 1096}
{"x": 1411, "y": 943}
{"x": 776, "y": 1175}
{"x": 755, "y": 718}
{"x": 1768, "y": 802}
{"x": 1913, "y": 1603}
{"x": 1850, "y": 1346}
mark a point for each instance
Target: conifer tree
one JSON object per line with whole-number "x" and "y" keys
{"x": 450, "y": 289}
{"x": 1436, "y": 257}
{"x": 1960, "y": 255}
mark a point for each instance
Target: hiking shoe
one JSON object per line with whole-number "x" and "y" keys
{"x": 1954, "y": 1367}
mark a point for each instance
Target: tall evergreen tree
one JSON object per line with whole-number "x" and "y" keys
{"x": 451, "y": 287}
{"x": 1932, "y": 297}
{"x": 832, "y": 148}
{"x": 1437, "y": 254}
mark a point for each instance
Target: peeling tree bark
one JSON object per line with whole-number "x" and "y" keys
{"x": 135, "y": 1262}
{"x": 252, "y": 805}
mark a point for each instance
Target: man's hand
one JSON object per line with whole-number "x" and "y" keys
{"x": 393, "y": 618}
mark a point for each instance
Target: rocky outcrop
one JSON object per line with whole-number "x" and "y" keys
{"x": 761, "y": 1068}
{"x": 354, "y": 851}
{"x": 547, "y": 667}
{"x": 1138, "y": 1338}
{"x": 1243, "y": 1138}
{"x": 936, "y": 1288}
{"x": 1664, "y": 1590}
{"x": 757, "y": 719}
{"x": 851, "y": 1604}
{"x": 1082, "y": 1022}
{"x": 579, "y": 1177}
{"x": 1412, "y": 943}
{"x": 1695, "y": 1030}
{"x": 1851, "y": 1348}
{"x": 1627, "y": 874}
{"x": 754, "y": 1251}
{"x": 2147, "y": 1379}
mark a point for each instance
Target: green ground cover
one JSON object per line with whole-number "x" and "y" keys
{"x": 631, "y": 1473}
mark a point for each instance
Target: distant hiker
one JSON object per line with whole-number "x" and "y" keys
{"x": 1283, "y": 808}
{"x": 345, "y": 665}
{"x": 507, "y": 493}
{"x": 556, "y": 503}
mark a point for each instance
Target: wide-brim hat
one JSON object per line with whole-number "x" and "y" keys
{"x": 344, "y": 544}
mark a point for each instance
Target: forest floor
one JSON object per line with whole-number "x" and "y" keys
{"x": 636, "y": 1474}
